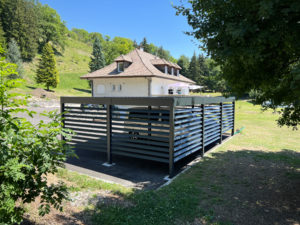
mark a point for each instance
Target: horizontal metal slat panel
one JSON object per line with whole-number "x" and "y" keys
{"x": 187, "y": 115}
{"x": 142, "y": 110}
{"x": 226, "y": 129}
{"x": 183, "y": 146}
{"x": 114, "y": 129}
{"x": 140, "y": 125}
{"x": 186, "y": 135}
{"x": 140, "y": 156}
{"x": 177, "y": 127}
{"x": 83, "y": 121}
{"x": 138, "y": 116}
{"x": 211, "y": 141}
{"x": 179, "y": 111}
{"x": 187, "y": 130}
{"x": 187, "y": 153}
{"x": 146, "y": 142}
{"x": 187, "y": 120}
{"x": 103, "y": 130}
{"x": 141, "y": 121}
{"x": 187, "y": 139}
{"x": 140, "y": 137}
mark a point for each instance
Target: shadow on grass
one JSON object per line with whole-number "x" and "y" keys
{"x": 83, "y": 90}
{"x": 230, "y": 187}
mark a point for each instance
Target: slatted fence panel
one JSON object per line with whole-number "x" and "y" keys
{"x": 141, "y": 133}
{"x": 89, "y": 125}
{"x": 212, "y": 125}
{"x": 228, "y": 117}
{"x": 187, "y": 131}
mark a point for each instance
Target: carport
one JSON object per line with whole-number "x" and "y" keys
{"x": 163, "y": 129}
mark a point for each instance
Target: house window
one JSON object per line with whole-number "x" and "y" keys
{"x": 166, "y": 69}
{"x": 113, "y": 87}
{"x": 179, "y": 92}
{"x": 172, "y": 71}
{"x": 177, "y": 72}
{"x": 170, "y": 91}
{"x": 120, "y": 66}
{"x": 120, "y": 87}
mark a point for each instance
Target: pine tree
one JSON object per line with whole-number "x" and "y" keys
{"x": 203, "y": 70}
{"x": 13, "y": 55}
{"x": 97, "y": 59}
{"x": 144, "y": 44}
{"x": 194, "y": 70}
{"x": 47, "y": 73}
{"x": 184, "y": 62}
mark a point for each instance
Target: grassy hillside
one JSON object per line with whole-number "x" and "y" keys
{"x": 72, "y": 64}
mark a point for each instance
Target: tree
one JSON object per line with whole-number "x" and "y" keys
{"x": 51, "y": 28}
{"x": 144, "y": 44}
{"x": 28, "y": 153}
{"x": 13, "y": 55}
{"x": 194, "y": 70}
{"x": 2, "y": 36}
{"x": 256, "y": 43}
{"x": 47, "y": 73}
{"x": 135, "y": 44}
{"x": 20, "y": 21}
{"x": 184, "y": 63}
{"x": 97, "y": 59}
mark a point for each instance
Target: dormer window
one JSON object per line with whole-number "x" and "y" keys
{"x": 177, "y": 72}
{"x": 120, "y": 67}
{"x": 166, "y": 69}
{"x": 172, "y": 71}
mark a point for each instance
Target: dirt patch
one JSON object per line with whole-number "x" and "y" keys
{"x": 76, "y": 210}
{"x": 41, "y": 93}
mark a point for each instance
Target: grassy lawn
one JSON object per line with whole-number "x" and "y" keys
{"x": 253, "y": 178}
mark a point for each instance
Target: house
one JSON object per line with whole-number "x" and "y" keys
{"x": 139, "y": 73}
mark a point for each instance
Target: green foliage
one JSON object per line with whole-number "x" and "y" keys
{"x": 214, "y": 80}
{"x": 184, "y": 63}
{"x": 2, "y": 35}
{"x": 27, "y": 154}
{"x": 116, "y": 47}
{"x": 47, "y": 73}
{"x": 144, "y": 44}
{"x": 257, "y": 45}
{"x": 20, "y": 21}
{"x": 51, "y": 28}
{"x": 194, "y": 69}
{"x": 97, "y": 59}
{"x": 13, "y": 55}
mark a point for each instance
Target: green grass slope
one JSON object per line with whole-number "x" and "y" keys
{"x": 72, "y": 64}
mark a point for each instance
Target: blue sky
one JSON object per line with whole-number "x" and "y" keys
{"x": 134, "y": 19}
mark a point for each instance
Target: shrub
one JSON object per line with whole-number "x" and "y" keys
{"x": 27, "y": 154}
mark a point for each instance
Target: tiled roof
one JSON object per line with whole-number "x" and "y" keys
{"x": 123, "y": 58}
{"x": 142, "y": 66}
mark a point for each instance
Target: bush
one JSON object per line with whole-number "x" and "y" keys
{"x": 27, "y": 154}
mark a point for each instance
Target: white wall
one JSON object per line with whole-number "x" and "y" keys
{"x": 130, "y": 87}
{"x": 159, "y": 86}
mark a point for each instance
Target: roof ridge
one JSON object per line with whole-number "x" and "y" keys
{"x": 144, "y": 62}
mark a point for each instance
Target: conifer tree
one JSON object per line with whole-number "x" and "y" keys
{"x": 194, "y": 70}
{"x": 13, "y": 55}
{"x": 47, "y": 73}
{"x": 203, "y": 70}
{"x": 135, "y": 44}
{"x": 97, "y": 59}
{"x": 144, "y": 44}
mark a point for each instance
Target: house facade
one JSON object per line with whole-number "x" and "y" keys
{"x": 139, "y": 73}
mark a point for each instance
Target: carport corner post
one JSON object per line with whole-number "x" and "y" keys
{"x": 108, "y": 134}
{"x": 171, "y": 140}
{"x": 62, "y": 112}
